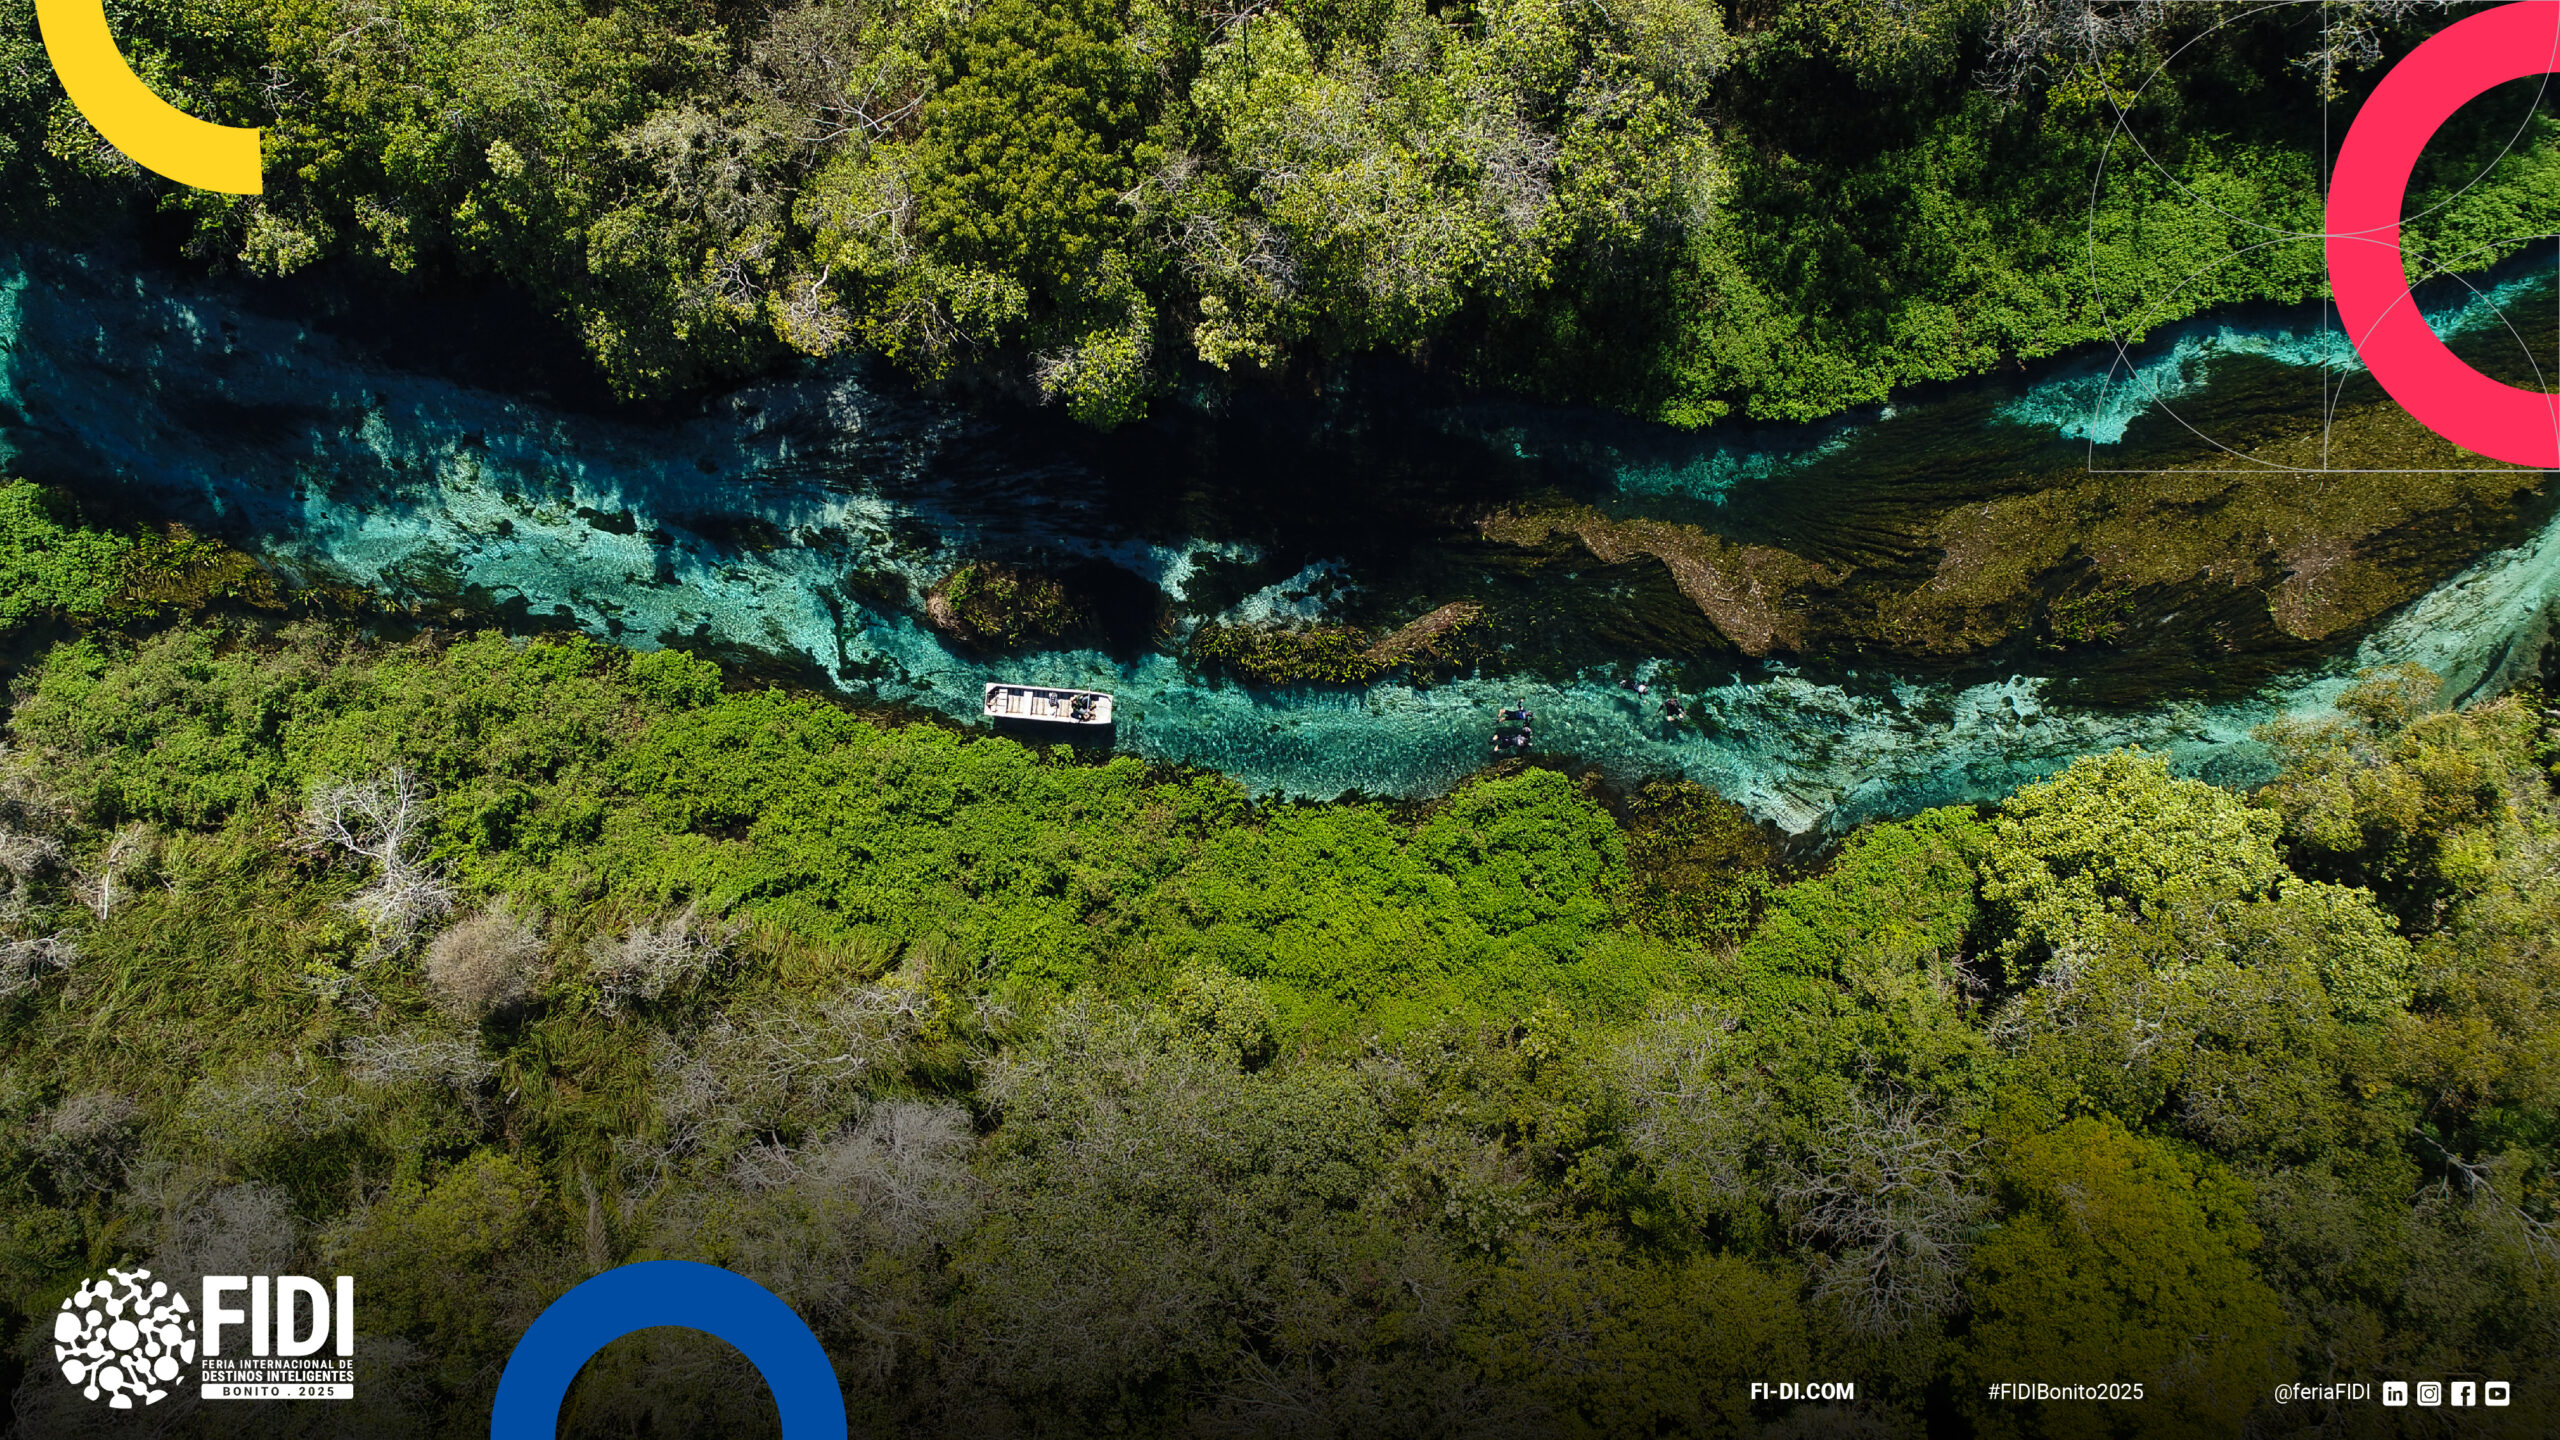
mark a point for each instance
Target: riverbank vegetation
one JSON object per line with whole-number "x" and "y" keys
{"x": 1067, "y": 1097}
{"x": 1684, "y": 209}
{"x": 53, "y": 567}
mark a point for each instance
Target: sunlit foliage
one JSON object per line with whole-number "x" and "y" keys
{"x": 1686, "y": 209}
{"x": 1064, "y": 1093}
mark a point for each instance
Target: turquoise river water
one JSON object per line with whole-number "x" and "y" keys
{"x": 800, "y": 520}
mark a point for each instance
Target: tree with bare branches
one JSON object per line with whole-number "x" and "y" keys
{"x": 30, "y": 855}
{"x": 1697, "y": 1116}
{"x": 1888, "y": 1194}
{"x": 382, "y": 822}
{"x": 656, "y": 958}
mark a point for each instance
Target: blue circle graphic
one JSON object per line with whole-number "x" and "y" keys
{"x": 668, "y": 1292}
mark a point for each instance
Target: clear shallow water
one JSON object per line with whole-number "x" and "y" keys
{"x": 803, "y": 518}
{"x": 2101, "y": 402}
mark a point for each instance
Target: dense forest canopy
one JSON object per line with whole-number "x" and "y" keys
{"x": 1680, "y": 208}
{"x": 1067, "y": 1096}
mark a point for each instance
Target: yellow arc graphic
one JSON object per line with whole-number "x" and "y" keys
{"x": 151, "y": 132}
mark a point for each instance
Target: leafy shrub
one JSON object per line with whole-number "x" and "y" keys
{"x": 1698, "y": 865}
{"x": 674, "y": 679}
{"x": 1229, "y": 1014}
{"x": 1024, "y": 156}
{"x": 52, "y": 566}
{"x": 2404, "y": 799}
{"x": 2114, "y": 834}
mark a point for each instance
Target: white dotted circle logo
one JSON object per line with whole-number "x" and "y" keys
{"x": 124, "y": 1339}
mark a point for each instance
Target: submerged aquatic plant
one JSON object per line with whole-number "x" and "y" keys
{"x": 984, "y": 603}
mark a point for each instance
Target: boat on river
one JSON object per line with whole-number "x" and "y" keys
{"x": 1045, "y": 705}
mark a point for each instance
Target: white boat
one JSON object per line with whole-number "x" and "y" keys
{"x": 1048, "y": 706}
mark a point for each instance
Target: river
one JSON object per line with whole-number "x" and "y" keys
{"x": 796, "y": 524}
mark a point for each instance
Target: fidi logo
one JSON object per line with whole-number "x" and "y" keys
{"x": 122, "y": 1343}
{"x": 681, "y": 1293}
{"x": 129, "y": 1340}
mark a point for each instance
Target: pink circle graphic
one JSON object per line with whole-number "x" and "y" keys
{"x": 2512, "y": 42}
